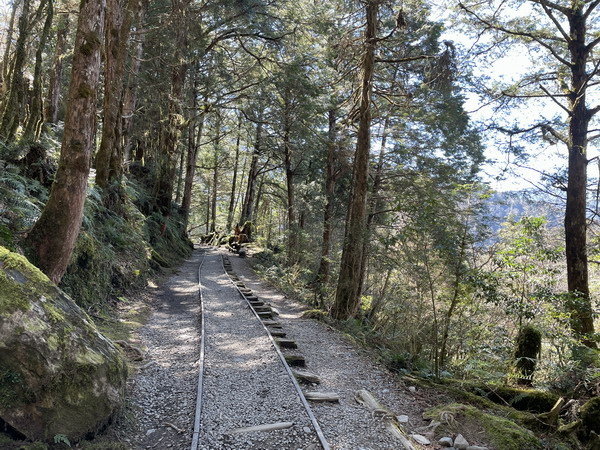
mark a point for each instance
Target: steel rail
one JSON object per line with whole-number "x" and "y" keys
{"x": 198, "y": 416}
{"x": 312, "y": 417}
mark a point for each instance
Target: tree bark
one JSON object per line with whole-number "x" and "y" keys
{"x": 215, "y": 180}
{"x": 109, "y": 158}
{"x": 347, "y": 299}
{"x": 52, "y": 239}
{"x": 13, "y": 105}
{"x": 192, "y": 157}
{"x": 247, "y": 206}
{"x": 579, "y": 304}
{"x": 231, "y": 209}
{"x": 323, "y": 272}
{"x": 292, "y": 250}
{"x": 33, "y": 127}
{"x": 8, "y": 45}
{"x": 130, "y": 92}
{"x": 175, "y": 121}
{"x": 53, "y": 96}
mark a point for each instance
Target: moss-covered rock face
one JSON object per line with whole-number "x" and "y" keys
{"x": 496, "y": 432}
{"x": 58, "y": 374}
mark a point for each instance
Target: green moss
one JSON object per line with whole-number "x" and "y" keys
{"x": 19, "y": 280}
{"x": 9, "y": 384}
{"x": 522, "y": 399}
{"x": 590, "y": 416}
{"x": 500, "y": 432}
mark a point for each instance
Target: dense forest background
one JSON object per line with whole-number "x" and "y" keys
{"x": 335, "y": 134}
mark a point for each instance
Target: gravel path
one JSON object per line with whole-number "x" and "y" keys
{"x": 162, "y": 393}
{"x": 343, "y": 369}
{"x": 245, "y": 383}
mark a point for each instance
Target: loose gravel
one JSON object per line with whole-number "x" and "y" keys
{"x": 344, "y": 369}
{"x": 245, "y": 383}
{"x": 162, "y": 392}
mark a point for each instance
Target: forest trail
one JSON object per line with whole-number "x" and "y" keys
{"x": 244, "y": 383}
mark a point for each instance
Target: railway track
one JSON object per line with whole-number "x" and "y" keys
{"x": 248, "y": 396}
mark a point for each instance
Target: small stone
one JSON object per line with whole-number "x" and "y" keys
{"x": 150, "y": 431}
{"x": 446, "y": 442}
{"x": 402, "y": 419}
{"x": 460, "y": 442}
{"x": 420, "y": 439}
{"x": 476, "y": 447}
{"x": 412, "y": 389}
{"x": 306, "y": 429}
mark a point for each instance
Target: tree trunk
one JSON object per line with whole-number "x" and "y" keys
{"x": 215, "y": 180}
{"x": 130, "y": 92}
{"x": 192, "y": 158}
{"x": 347, "y": 299}
{"x": 8, "y": 45}
{"x": 33, "y": 127}
{"x": 231, "y": 209}
{"x": 52, "y": 239}
{"x": 13, "y": 105}
{"x": 175, "y": 121}
{"x": 323, "y": 272}
{"x": 247, "y": 206}
{"x": 579, "y": 304}
{"x": 53, "y": 96}
{"x": 292, "y": 247}
{"x": 109, "y": 158}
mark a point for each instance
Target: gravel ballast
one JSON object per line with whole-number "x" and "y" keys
{"x": 245, "y": 384}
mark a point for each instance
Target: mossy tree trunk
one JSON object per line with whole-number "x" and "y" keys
{"x": 109, "y": 158}
{"x": 347, "y": 298}
{"x": 130, "y": 91}
{"x": 12, "y": 110}
{"x": 175, "y": 120}
{"x": 33, "y": 127}
{"x": 8, "y": 45}
{"x": 53, "y": 95}
{"x": 529, "y": 345}
{"x": 52, "y": 239}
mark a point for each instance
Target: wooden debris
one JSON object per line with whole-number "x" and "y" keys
{"x": 278, "y": 333}
{"x": 322, "y": 396}
{"x": 272, "y": 323}
{"x": 550, "y": 418}
{"x": 260, "y": 309}
{"x": 305, "y": 375}
{"x": 266, "y": 427}
{"x": 286, "y": 343}
{"x": 265, "y": 315}
{"x": 397, "y": 432}
{"x": 365, "y": 398}
{"x": 295, "y": 360}
{"x": 251, "y": 298}
{"x": 168, "y": 424}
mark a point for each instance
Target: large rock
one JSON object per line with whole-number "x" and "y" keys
{"x": 58, "y": 374}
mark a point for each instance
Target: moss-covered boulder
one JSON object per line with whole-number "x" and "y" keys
{"x": 58, "y": 374}
{"x": 484, "y": 428}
